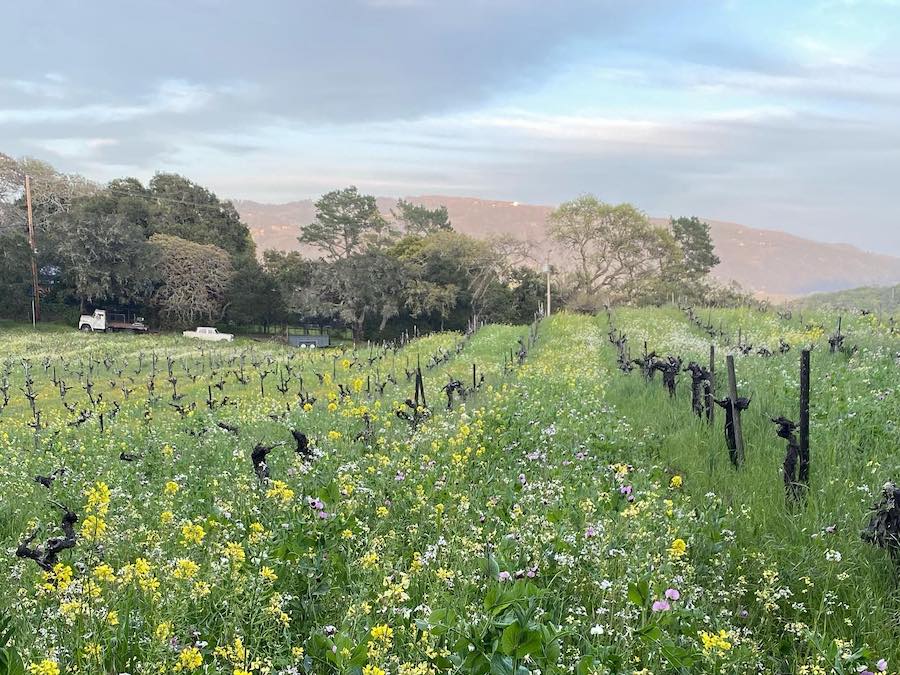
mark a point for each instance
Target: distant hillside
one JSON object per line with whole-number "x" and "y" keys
{"x": 765, "y": 261}
{"x": 879, "y": 298}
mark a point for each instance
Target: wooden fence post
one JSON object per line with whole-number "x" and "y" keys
{"x": 735, "y": 412}
{"x": 803, "y": 473}
{"x": 711, "y": 395}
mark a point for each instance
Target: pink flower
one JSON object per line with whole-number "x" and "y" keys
{"x": 661, "y": 606}
{"x": 504, "y": 576}
{"x": 672, "y": 594}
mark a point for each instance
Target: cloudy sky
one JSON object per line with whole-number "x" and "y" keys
{"x": 770, "y": 113}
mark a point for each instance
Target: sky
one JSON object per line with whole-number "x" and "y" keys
{"x": 782, "y": 115}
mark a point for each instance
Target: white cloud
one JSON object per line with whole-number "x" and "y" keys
{"x": 169, "y": 96}
{"x": 75, "y": 148}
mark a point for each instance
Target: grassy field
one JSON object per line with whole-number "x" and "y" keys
{"x": 563, "y": 517}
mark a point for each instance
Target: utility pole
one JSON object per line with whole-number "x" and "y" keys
{"x": 547, "y": 271}
{"x": 36, "y": 298}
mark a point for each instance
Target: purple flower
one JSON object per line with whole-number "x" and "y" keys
{"x": 672, "y": 594}
{"x": 504, "y": 576}
{"x": 882, "y": 665}
{"x": 323, "y": 515}
{"x": 661, "y": 606}
{"x": 522, "y": 479}
{"x": 625, "y": 490}
{"x": 590, "y": 532}
{"x": 330, "y": 630}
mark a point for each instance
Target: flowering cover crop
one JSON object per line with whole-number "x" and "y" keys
{"x": 560, "y": 517}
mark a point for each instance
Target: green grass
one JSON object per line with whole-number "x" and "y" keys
{"x": 531, "y": 527}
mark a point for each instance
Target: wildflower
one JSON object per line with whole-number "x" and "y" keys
{"x": 257, "y": 533}
{"x": 104, "y": 572}
{"x": 189, "y": 659}
{"x": 383, "y": 633}
{"x": 166, "y": 517}
{"x": 200, "y": 590}
{"x": 235, "y": 553}
{"x": 59, "y": 579}
{"x": 45, "y": 667}
{"x": 335, "y": 435}
{"x": 677, "y": 549}
{"x": 279, "y": 491}
{"x": 192, "y": 534}
{"x": 185, "y": 569}
{"x": 268, "y": 574}
{"x": 715, "y": 642}
{"x": 882, "y": 665}
{"x": 93, "y": 528}
{"x": 672, "y": 594}
{"x": 661, "y": 606}
{"x": 373, "y": 670}
{"x": 98, "y": 499}
{"x": 92, "y": 650}
{"x": 163, "y": 631}
{"x": 675, "y": 482}
{"x": 833, "y": 556}
{"x": 171, "y": 487}
{"x": 445, "y": 575}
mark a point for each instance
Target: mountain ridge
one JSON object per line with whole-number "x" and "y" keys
{"x": 766, "y": 261}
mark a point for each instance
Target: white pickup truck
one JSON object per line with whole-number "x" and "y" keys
{"x": 208, "y": 333}
{"x": 101, "y": 320}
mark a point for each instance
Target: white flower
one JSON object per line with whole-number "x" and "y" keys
{"x": 833, "y": 556}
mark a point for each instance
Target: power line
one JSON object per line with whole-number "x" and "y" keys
{"x": 172, "y": 200}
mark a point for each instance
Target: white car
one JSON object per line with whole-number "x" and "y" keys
{"x": 208, "y": 333}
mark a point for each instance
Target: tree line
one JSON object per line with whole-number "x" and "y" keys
{"x": 172, "y": 251}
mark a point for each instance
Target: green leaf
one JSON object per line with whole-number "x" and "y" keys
{"x": 10, "y": 662}
{"x": 502, "y": 665}
{"x": 532, "y": 643}
{"x": 509, "y": 640}
{"x": 639, "y": 593}
{"x": 585, "y": 665}
{"x": 491, "y": 567}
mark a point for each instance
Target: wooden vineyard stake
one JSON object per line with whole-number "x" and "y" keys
{"x": 735, "y": 412}
{"x": 711, "y": 394}
{"x": 420, "y": 389}
{"x": 803, "y": 474}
